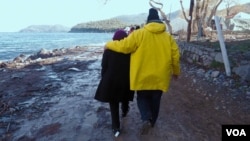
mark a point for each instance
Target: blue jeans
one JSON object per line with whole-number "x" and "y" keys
{"x": 148, "y": 102}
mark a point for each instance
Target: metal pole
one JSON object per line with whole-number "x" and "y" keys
{"x": 222, "y": 46}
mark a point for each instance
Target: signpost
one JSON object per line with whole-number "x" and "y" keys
{"x": 222, "y": 46}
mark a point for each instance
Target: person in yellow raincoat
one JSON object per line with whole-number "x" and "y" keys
{"x": 154, "y": 60}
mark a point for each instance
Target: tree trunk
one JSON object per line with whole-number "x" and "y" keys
{"x": 189, "y": 29}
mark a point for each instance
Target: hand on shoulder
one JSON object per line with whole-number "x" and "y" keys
{"x": 105, "y": 47}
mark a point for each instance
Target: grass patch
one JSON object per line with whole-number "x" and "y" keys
{"x": 217, "y": 65}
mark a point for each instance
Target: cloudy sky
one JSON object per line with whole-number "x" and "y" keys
{"x": 18, "y": 14}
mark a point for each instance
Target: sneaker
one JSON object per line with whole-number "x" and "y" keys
{"x": 146, "y": 125}
{"x": 116, "y": 132}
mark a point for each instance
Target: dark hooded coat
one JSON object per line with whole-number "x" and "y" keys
{"x": 114, "y": 83}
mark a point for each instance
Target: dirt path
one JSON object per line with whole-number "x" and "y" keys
{"x": 55, "y": 102}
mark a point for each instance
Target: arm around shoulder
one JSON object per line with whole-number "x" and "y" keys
{"x": 126, "y": 46}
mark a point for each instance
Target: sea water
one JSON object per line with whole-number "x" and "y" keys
{"x": 13, "y": 44}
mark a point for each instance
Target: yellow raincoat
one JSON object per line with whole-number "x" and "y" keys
{"x": 154, "y": 57}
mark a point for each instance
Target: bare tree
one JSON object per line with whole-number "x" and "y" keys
{"x": 189, "y": 20}
{"x": 228, "y": 4}
{"x": 213, "y": 12}
{"x": 203, "y": 14}
{"x": 163, "y": 15}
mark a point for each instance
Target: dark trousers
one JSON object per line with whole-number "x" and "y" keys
{"x": 114, "y": 109}
{"x": 148, "y": 102}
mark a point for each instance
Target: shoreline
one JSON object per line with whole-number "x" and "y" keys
{"x": 45, "y": 56}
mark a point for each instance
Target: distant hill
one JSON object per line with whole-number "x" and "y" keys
{"x": 235, "y": 9}
{"x": 142, "y": 18}
{"x": 109, "y": 25}
{"x": 133, "y": 19}
{"x": 45, "y": 28}
{"x": 114, "y": 23}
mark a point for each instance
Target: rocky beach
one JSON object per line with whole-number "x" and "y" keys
{"x": 49, "y": 96}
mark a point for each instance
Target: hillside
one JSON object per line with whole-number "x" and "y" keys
{"x": 236, "y": 9}
{"x": 45, "y": 28}
{"x": 114, "y": 23}
{"x": 109, "y": 25}
{"x": 176, "y": 20}
{"x": 133, "y": 19}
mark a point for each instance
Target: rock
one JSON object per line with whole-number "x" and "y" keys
{"x": 218, "y": 58}
{"x": 18, "y": 60}
{"x": 215, "y": 74}
{"x": 3, "y": 65}
{"x": 43, "y": 53}
{"x": 243, "y": 72}
{"x": 248, "y": 93}
{"x": 200, "y": 72}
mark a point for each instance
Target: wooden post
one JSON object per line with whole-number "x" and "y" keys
{"x": 222, "y": 46}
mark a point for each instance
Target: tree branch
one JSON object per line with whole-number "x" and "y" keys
{"x": 183, "y": 12}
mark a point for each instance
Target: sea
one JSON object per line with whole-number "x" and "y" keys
{"x": 12, "y": 44}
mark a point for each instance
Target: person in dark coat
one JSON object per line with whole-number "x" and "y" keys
{"x": 114, "y": 86}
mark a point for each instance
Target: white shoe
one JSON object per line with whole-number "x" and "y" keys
{"x": 116, "y": 132}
